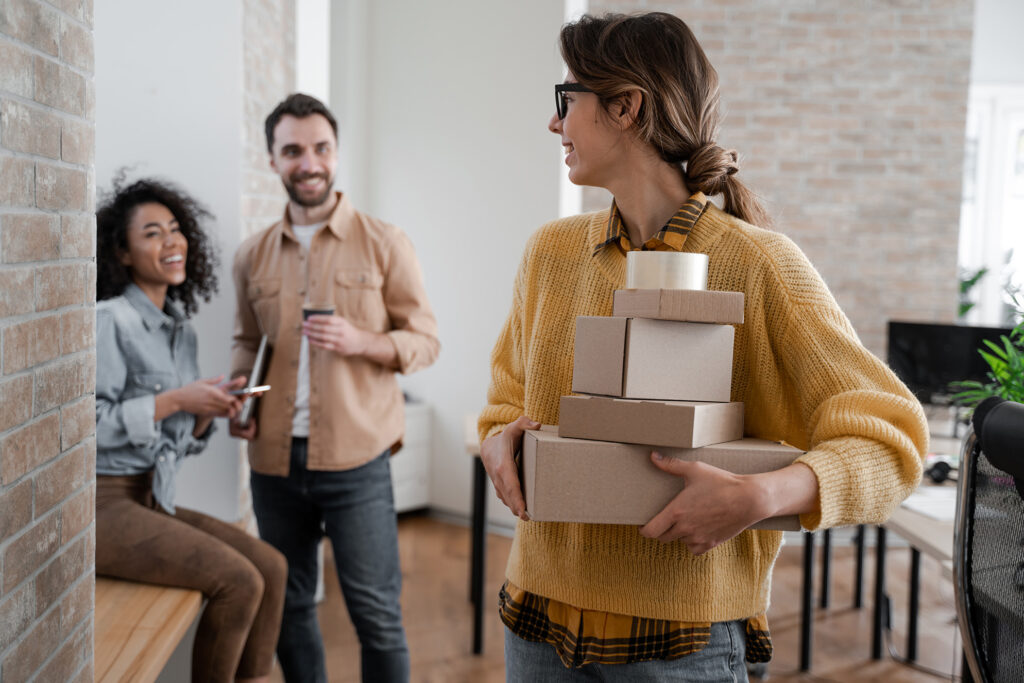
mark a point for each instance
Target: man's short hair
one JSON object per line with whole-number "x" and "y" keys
{"x": 300, "y": 106}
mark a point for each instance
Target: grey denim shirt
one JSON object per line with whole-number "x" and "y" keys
{"x": 142, "y": 351}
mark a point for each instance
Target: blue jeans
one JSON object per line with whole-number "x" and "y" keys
{"x": 356, "y": 510}
{"x": 721, "y": 660}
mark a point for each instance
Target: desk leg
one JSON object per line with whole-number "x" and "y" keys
{"x": 858, "y": 585}
{"x": 878, "y": 622}
{"x": 806, "y": 609}
{"x": 826, "y": 567}
{"x": 915, "y": 592}
{"x": 476, "y": 579}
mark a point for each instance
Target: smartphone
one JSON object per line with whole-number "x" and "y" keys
{"x": 249, "y": 390}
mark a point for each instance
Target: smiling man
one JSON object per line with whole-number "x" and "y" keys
{"x": 320, "y": 443}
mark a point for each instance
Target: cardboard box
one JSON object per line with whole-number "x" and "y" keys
{"x": 681, "y": 424}
{"x": 687, "y": 305}
{"x": 601, "y": 482}
{"x": 652, "y": 359}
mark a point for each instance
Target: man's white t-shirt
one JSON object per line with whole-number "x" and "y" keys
{"x": 300, "y": 421}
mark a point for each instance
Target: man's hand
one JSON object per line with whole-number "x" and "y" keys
{"x": 714, "y": 506}
{"x": 497, "y": 453}
{"x": 239, "y": 432}
{"x": 334, "y": 333}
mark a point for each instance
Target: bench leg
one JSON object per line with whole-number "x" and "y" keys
{"x": 915, "y": 601}
{"x": 826, "y": 567}
{"x": 479, "y": 541}
{"x": 858, "y": 582}
{"x": 806, "y": 603}
{"x": 880, "y": 611}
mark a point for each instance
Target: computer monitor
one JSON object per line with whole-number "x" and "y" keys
{"x": 929, "y": 356}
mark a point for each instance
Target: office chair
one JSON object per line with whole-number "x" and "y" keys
{"x": 988, "y": 568}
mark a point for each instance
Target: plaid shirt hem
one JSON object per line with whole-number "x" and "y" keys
{"x": 586, "y": 636}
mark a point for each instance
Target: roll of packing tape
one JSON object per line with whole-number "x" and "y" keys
{"x": 666, "y": 270}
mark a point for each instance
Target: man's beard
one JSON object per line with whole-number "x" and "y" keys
{"x": 289, "y": 186}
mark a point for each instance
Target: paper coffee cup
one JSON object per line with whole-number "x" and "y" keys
{"x": 316, "y": 309}
{"x": 666, "y": 270}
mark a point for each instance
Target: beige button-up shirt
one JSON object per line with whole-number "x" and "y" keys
{"x": 368, "y": 270}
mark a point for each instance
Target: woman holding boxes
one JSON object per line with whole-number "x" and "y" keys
{"x": 683, "y": 597}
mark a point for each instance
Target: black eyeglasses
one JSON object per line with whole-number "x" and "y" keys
{"x": 561, "y": 106}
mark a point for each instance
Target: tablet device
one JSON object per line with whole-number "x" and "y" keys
{"x": 255, "y": 376}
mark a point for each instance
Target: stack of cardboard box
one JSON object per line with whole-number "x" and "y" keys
{"x": 657, "y": 373}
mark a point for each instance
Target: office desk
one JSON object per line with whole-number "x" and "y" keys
{"x": 923, "y": 533}
{"x": 933, "y": 537}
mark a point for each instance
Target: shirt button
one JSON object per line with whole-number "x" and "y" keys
{"x": 161, "y": 458}
{"x": 157, "y": 387}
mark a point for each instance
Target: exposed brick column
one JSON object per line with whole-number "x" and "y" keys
{"x": 849, "y": 118}
{"x": 47, "y": 340}
{"x": 268, "y": 65}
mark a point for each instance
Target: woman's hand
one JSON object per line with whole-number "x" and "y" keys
{"x": 714, "y": 506}
{"x": 209, "y": 397}
{"x": 497, "y": 453}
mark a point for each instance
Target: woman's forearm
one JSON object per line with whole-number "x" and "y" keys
{"x": 793, "y": 490}
{"x": 165, "y": 403}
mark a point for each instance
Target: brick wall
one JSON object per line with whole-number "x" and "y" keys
{"x": 47, "y": 347}
{"x": 268, "y": 43}
{"x": 849, "y": 117}
{"x": 268, "y": 65}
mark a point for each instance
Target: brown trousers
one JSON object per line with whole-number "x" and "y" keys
{"x": 242, "y": 578}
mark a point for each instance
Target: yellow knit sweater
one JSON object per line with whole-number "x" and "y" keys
{"x": 799, "y": 368}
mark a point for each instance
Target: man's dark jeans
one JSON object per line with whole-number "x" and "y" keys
{"x": 356, "y": 510}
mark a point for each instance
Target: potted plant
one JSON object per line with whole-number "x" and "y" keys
{"x": 1006, "y": 367}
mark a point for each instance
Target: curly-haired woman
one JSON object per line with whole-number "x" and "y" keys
{"x": 152, "y": 410}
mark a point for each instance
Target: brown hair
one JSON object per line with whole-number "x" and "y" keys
{"x": 300, "y": 106}
{"x": 657, "y": 55}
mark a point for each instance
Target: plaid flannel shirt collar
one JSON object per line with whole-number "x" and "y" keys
{"x": 670, "y": 238}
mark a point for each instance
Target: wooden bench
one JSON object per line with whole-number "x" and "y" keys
{"x": 138, "y": 627}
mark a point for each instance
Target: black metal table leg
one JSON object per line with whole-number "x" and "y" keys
{"x": 806, "y": 607}
{"x": 479, "y": 541}
{"x": 915, "y": 592}
{"x": 858, "y": 585}
{"x": 826, "y": 567}
{"x": 880, "y": 611}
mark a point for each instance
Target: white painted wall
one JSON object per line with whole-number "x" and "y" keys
{"x": 312, "y": 48}
{"x": 998, "y": 51}
{"x": 444, "y": 108}
{"x": 169, "y": 103}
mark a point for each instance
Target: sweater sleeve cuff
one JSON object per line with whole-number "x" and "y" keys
{"x": 137, "y": 414}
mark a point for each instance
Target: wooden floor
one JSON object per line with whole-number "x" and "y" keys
{"x": 438, "y": 615}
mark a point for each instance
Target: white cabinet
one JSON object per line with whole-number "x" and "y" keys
{"x": 410, "y": 467}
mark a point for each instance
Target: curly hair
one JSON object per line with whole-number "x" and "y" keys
{"x": 112, "y": 219}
